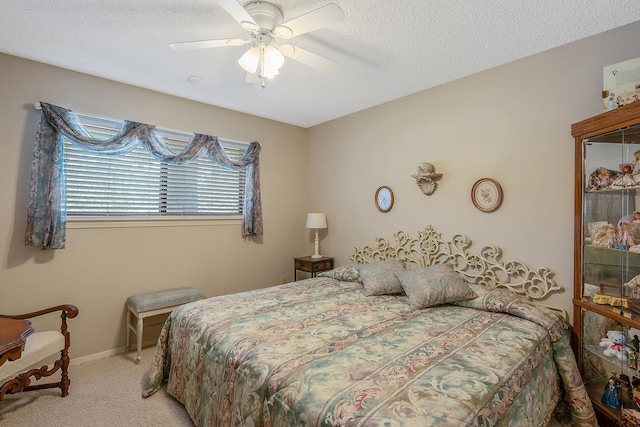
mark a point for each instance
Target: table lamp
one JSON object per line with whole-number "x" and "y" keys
{"x": 316, "y": 221}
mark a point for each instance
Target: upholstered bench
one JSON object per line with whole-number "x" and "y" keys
{"x": 154, "y": 303}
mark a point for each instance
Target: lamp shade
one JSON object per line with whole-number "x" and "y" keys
{"x": 316, "y": 220}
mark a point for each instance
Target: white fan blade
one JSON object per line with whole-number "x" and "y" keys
{"x": 239, "y": 13}
{"x": 307, "y": 58}
{"x": 205, "y": 44}
{"x": 311, "y": 21}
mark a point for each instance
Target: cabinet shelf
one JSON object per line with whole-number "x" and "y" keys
{"x": 608, "y": 311}
{"x": 613, "y": 190}
{"x": 612, "y": 362}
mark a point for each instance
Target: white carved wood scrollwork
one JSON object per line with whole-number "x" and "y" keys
{"x": 484, "y": 268}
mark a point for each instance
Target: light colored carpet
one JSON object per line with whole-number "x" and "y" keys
{"x": 104, "y": 392}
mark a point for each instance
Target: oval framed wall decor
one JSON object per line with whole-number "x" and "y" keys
{"x": 486, "y": 194}
{"x": 384, "y": 199}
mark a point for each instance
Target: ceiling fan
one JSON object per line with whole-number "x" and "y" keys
{"x": 264, "y": 22}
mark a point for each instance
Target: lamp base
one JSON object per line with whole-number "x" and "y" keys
{"x": 316, "y": 253}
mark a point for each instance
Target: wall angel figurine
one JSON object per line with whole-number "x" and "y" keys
{"x": 426, "y": 178}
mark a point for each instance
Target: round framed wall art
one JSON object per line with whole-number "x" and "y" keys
{"x": 384, "y": 199}
{"x": 486, "y": 194}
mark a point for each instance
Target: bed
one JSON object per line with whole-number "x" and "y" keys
{"x": 464, "y": 342}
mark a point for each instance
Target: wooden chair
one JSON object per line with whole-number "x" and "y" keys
{"x": 15, "y": 375}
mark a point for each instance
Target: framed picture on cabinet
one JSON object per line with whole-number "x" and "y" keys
{"x": 486, "y": 194}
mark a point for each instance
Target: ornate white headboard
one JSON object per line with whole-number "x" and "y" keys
{"x": 485, "y": 268}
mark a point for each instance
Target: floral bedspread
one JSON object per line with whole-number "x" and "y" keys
{"x": 318, "y": 352}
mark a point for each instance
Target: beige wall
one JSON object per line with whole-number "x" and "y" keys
{"x": 102, "y": 266}
{"x": 511, "y": 123}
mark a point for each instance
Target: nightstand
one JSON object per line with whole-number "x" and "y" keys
{"x": 311, "y": 265}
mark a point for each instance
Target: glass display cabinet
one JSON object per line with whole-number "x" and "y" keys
{"x": 607, "y": 262}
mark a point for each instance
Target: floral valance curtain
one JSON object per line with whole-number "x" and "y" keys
{"x": 46, "y": 209}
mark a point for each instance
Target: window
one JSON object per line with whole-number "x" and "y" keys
{"x": 137, "y": 185}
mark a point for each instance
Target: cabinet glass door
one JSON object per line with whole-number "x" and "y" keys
{"x": 610, "y": 269}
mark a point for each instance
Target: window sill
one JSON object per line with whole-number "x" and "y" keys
{"x": 92, "y": 223}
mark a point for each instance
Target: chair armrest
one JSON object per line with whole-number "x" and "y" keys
{"x": 68, "y": 310}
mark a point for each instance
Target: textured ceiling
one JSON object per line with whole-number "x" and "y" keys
{"x": 383, "y": 50}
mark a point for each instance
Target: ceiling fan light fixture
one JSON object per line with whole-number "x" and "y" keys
{"x": 271, "y": 74}
{"x": 264, "y": 21}
{"x": 272, "y": 60}
{"x": 250, "y": 60}
{"x": 273, "y": 57}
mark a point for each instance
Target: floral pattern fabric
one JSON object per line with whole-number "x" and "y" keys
{"x": 319, "y": 352}
{"x": 434, "y": 285}
{"x": 379, "y": 278}
{"x": 46, "y": 207}
{"x": 345, "y": 273}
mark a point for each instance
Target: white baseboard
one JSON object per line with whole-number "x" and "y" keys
{"x": 107, "y": 353}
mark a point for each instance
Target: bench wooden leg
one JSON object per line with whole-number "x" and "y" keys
{"x": 139, "y": 339}
{"x": 128, "y": 340}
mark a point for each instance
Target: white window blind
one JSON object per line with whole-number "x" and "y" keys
{"x": 137, "y": 185}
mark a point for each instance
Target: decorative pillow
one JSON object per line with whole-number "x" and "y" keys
{"x": 346, "y": 273}
{"x": 434, "y": 285}
{"x": 491, "y": 299}
{"x": 379, "y": 277}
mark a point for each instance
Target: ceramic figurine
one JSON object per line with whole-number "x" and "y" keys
{"x": 625, "y": 389}
{"x": 426, "y": 168}
{"x": 627, "y": 237}
{"x": 610, "y": 395}
{"x": 635, "y": 394}
{"x": 426, "y": 178}
{"x": 606, "y": 236}
{"x": 627, "y": 179}
{"x": 601, "y": 179}
{"x": 633, "y": 360}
